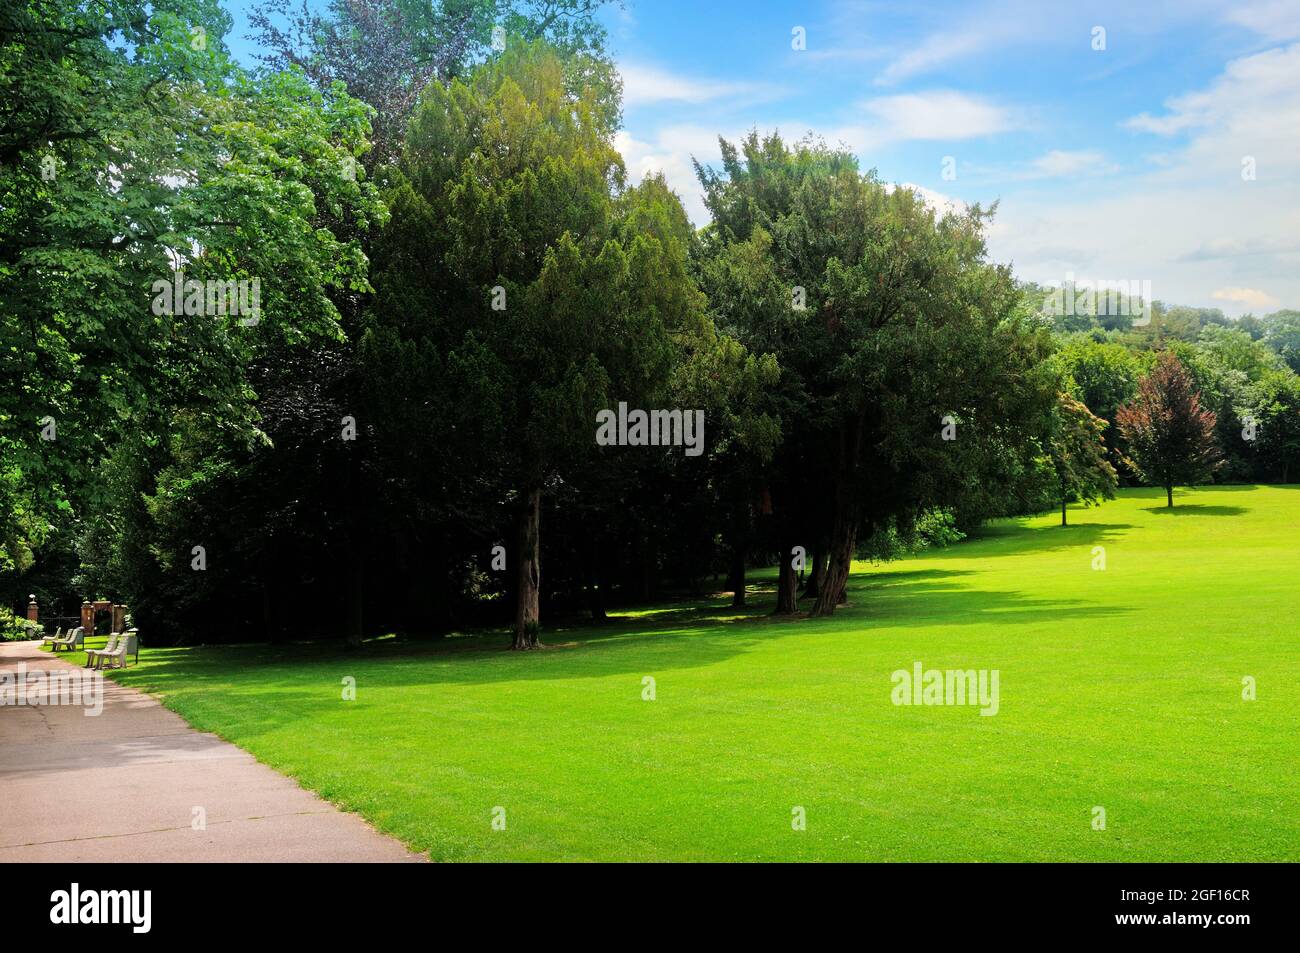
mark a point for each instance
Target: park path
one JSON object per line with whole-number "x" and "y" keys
{"x": 124, "y": 785}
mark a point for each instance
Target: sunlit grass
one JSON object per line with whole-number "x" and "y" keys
{"x": 1120, "y": 688}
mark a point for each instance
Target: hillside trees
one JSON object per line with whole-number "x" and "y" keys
{"x": 1282, "y": 334}
{"x": 1275, "y": 402}
{"x": 1104, "y": 376}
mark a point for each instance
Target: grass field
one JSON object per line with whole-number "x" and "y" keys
{"x": 1119, "y": 688}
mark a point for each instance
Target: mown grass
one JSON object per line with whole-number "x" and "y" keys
{"x": 1119, "y": 688}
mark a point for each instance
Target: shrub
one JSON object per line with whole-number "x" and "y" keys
{"x": 937, "y": 528}
{"x": 14, "y": 628}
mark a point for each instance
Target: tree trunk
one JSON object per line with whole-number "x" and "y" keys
{"x": 787, "y": 585}
{"x": 355, "y": 593}
{"x": 1063, "y": 523}
{"x": 839, "y": 559}
{"x": 1169, "y": 490}
{"x": 739, "y": 540}
{"x": 266, "y": 612}
{"x": 354, "y": 527}
{"x": 816, "y": 575}
{"x": 736, "y": 575}
{"x": 595, "y": 588}
{"x": 844, "y": 527}
{"x": 596, "y": 604}
{"x": 267, "y": 579}
{"x": 440, "y": 567}
{"x": 645, "y": 571}
{"x": 528, "y": 570}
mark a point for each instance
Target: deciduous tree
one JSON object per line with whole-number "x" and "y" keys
{"x": 1078, "y": 454}
{"x": 1169, "y": 436}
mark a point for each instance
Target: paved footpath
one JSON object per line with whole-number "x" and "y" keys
{"x": 123, "y": 785}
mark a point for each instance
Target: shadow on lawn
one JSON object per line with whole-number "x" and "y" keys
{"x": 929, "y": 597}
{"x": 692, "y": 635}
{"x": 1197, "y": 509}
{"x": 1014, "y": 538}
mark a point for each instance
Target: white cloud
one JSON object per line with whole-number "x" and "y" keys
{"x": 1061, "y": 162}
{"x": 943, "y": 204}
{"x": 1239, "y": 247}
{"x": 670, "y": 152}
{"x": 994, "y": 27}
{"x": 1191, "y": 225}
{"x": 1171, "y": 235}
{"x": 1255, "y": 99}
{"x": 1275, "y": 19}
{"x": 1252, "y": 297}
{"x": 937, "y": 114}
{"x": 981, "y": 30}
{"x": 931, "y": 52}
{"x": 644, "y": 84}
{"x": 1055, "y": 164}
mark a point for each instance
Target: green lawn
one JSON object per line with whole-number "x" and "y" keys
{"x": 1119, "y": 688}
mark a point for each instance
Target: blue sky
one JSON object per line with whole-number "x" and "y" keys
{"x": 1119, "y": 163}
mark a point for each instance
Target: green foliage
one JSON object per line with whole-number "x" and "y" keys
{"x": 1282, "y": 334}
{"x": 1226, "y": 361}
{"x": 1235, "y": 350}
{"x": 1103, "y": 376}
{"x": 385, "y": 52}
{"x": 886, "y": 319}
{"x": 1169, "y": 434}
{"x": 936, "y": 528}
{"x": 15, "y": 628}
{"x": 166, "y": 157}
{"x": 548, "y": 291}
{"x": 507, "y": 183}
{"x": 1180, "y": 323}
{"x": 1079, "y": 455}
{"x": 129, "y": 436}
{"x": 1275, "y": 412}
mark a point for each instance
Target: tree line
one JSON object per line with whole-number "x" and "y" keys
{"x": 457, "y": 280}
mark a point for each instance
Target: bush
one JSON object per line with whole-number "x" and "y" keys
{"x": 931, "y": 529}
{"x": 937, "y": 528}
{"x": 17, "y": 629}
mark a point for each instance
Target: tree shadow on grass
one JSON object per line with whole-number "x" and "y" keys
{"x": 689, "y": 636}
{"x": 1197, "y": 509}
{"x": 1234, "y": 488}
{"x": 933, "y": 601}
{"x": 255, "y": 689}
{"x": 246, "y": 693}
{"x": 1014, "y": 538}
